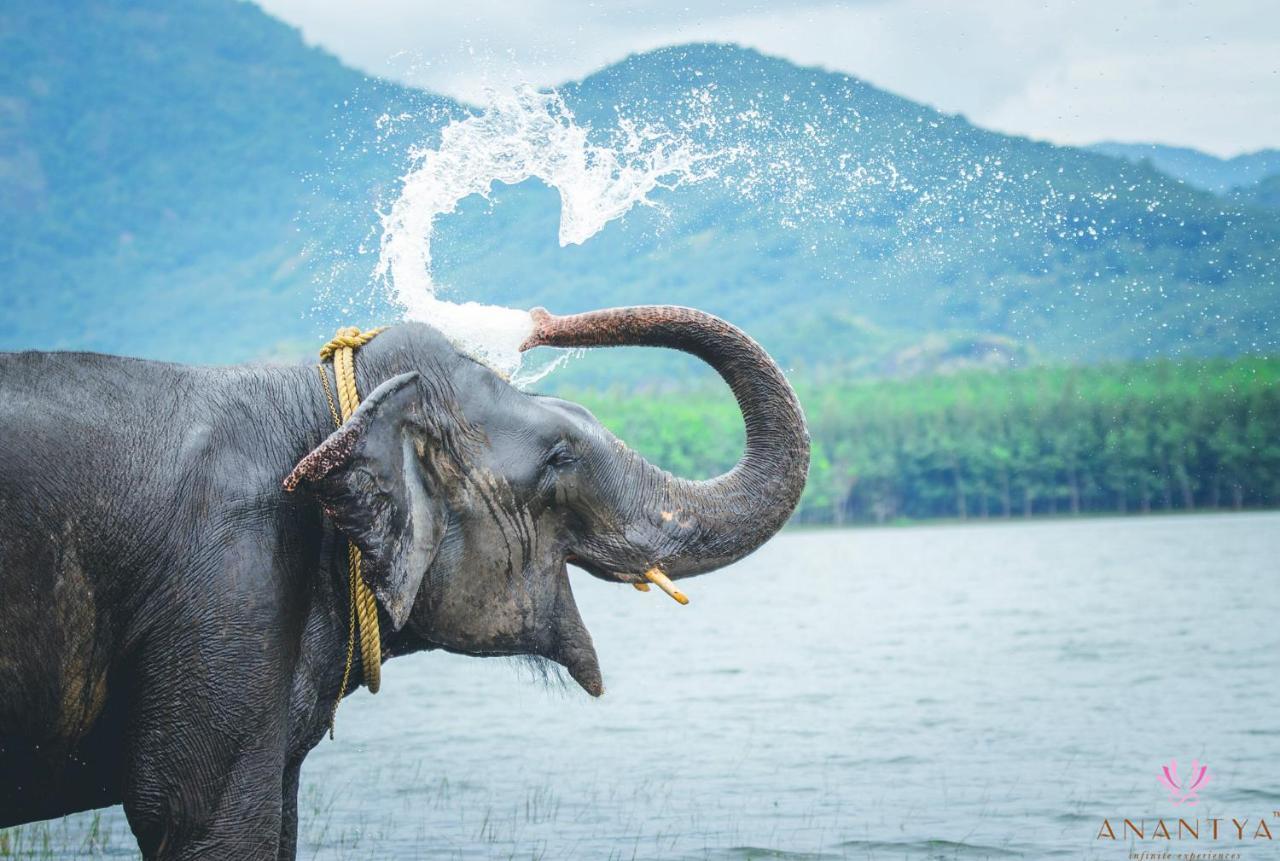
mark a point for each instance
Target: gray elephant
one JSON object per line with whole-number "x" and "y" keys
{"x": 174, "y": 623}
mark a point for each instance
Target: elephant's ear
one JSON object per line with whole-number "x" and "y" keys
{"x": 369, "y": 477}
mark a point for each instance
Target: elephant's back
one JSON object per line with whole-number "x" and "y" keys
{"x": 69, "y": 421}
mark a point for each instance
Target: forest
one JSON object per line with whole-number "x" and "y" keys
{"x": 1162, "y": 435}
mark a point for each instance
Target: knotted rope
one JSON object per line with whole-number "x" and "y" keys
{"x": 363, "y": 611}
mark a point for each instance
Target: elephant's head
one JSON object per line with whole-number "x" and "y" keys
{"x": 467, "y": 497}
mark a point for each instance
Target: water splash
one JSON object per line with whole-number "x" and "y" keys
{"x": 521, "y": 135}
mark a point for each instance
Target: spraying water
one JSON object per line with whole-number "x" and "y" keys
{"x": 525, "y": 134}
{"x": 845, "y": 196}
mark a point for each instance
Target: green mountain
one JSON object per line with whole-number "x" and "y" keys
{"x": 1199, "y": 169}
{"x": 885, "y": 230}
{"x": 191, "y": 181}
{"x": 1263, "y": 194}
{"x": 153, "y": 164}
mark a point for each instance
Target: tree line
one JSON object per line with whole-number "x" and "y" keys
{"x": 1161, "y": 435}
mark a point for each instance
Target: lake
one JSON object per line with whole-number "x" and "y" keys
{"x": 962, "y": 691}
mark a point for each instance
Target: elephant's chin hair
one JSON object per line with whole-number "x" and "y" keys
{"x": 544, "y": 670}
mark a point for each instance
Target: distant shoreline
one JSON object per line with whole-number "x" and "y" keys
{"x": 1017, "y": 519}
{"x": 1045, "y": 441}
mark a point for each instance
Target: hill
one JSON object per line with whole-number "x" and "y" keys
{"x": 880, "y": 224}
{"x": 178, "y": 179}
{"x": 1199, "y": 169}
{"x": 153, "y": 159}
{"x": 1263, "y": 194}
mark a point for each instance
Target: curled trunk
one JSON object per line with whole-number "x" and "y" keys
{"x": 681, "y": 526}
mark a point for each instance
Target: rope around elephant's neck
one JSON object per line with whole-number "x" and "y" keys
{"x": 362, "y": 610}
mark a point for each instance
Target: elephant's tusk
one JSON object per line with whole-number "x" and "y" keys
{"x": 641, "y": 587}
{"x": 655, "y": 576}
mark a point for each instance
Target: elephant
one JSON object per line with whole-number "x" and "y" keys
{"x": 174, "y": 621}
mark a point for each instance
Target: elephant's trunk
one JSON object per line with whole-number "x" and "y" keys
{"x": 689, "y": 527}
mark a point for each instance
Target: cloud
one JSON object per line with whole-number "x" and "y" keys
{"x": 1198, "y": 74}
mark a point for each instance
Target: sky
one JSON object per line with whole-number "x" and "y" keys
{"x": 1205, "y": 75}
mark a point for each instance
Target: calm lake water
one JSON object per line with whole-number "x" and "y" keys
{"x": 970, "y": 691}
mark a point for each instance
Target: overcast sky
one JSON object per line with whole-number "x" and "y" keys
{"x": 1196, "y": 74}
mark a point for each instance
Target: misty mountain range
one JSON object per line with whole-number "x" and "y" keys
{"x": 193, "y": 182}
{"x": 1200, "y": 169}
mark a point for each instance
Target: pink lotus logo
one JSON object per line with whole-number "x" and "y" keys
{"x": 1184, "y": 792}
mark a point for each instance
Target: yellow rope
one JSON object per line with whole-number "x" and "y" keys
{"x": 363, "y": 611}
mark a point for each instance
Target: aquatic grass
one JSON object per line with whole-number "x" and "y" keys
{"x": 86, "y": 835}
{"x": 501, "y": 835}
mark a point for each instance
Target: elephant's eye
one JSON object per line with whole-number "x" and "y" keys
{"x": 560, "y": 456}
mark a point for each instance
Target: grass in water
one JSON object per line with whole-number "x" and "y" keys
{"x": 68, "y": 837}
